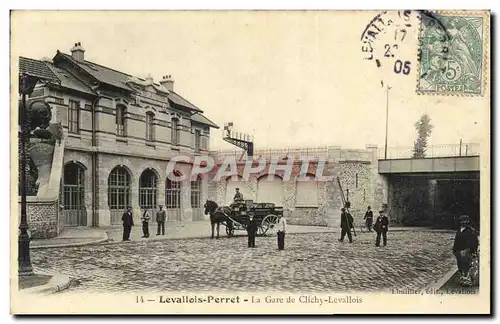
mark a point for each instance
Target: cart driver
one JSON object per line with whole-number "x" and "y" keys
{"x": 238, "y": 198}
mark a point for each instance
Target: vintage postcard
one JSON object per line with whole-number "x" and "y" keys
{"x": 250, "y": 162}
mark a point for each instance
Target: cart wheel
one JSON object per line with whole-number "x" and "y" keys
{"x": 268, "y": 224}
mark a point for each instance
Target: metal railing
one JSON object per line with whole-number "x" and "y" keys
{"x": 432, "y": 151}
{"x": 316, "y": 152}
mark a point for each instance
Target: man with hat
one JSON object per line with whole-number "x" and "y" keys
{"x": 237, "y": 199}
{"x": 161, "y": 217}
{"x": 465, "y": 246}
{"x": 251, "y": 230}
{"x": 346, "y": 223}
{"x": 369, "y": 218}
{"x": 128, "y": 222}
{"x": 381, "y": 227}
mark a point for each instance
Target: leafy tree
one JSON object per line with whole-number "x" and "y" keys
{"x": 424, "y": 130}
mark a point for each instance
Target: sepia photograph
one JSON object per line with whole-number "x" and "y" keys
{"x": 250, "y": 162}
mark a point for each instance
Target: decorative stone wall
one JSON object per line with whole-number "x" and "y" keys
{"x": 43, "y": 218}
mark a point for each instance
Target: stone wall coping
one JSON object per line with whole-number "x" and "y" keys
{"x": 367, "y": 161}
{"x": 56, "y": 171}
{"x": 32, "y": 200}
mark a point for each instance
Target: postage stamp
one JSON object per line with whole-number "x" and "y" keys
{"x": 452, "y": 53}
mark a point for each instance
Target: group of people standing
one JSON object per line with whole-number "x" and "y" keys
{"x": 381, "y": 225}
{"x": 128, "y": 222}
{"x": 252, "y": 225}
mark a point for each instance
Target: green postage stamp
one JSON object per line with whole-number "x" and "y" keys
{"x": 453, "y": 53}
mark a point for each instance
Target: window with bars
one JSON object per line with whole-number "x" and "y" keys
{"x": 173, "y": 194}
{"x": 74, "y": 116}
{"x": 121, "y": 125}
{"x": 175, "y": 131}
{"x": 197, "y": 140}
{"x": 73, "y": 187}
{"x": 148, "y": 190}
{"x": 119, "y": 189}
{"x": 196, "y": 193}
{"x": 150, "y": 135}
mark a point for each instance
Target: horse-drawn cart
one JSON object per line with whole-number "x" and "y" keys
{"x": 265, "y": 214}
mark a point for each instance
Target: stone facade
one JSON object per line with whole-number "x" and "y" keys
{"x": 111, "y": 119}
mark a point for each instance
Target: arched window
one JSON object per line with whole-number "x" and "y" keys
{"x": 118, "y": 193}
{"x": 306, "y": 194}
{"x": 148, "y": 189}
{"x": 270, "y": 191}
{"x": 73, "y": 198}
{"x": 150, "y": 135}
{"x": 196, "y": 193}
{"x": 175, "y": 131}
{"x": 121, "y": 124}
{"x": 173, "y": 198}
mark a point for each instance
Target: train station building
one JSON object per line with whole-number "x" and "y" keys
{"x": 119, "y": 132}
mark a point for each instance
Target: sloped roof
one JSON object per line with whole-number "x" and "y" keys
{"x": 68, "y": 80}
{"x": 178, "y": 100}
{"x": 120, "y": 79}
{"x": 102, "y": 73}
{"x": 199, "y": 118}
{"x": 36, "y": 68}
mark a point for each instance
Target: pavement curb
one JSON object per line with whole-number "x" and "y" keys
{"x": 440, "y": 283}
{"x": 56, "y": 284}
{"x": 93, "y": 242}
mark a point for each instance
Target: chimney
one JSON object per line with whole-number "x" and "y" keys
{"x": 167, "y": 82}
{"x": 77, "y": 52}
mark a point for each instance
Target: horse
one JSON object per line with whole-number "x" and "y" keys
{"x": 217, "y": 216}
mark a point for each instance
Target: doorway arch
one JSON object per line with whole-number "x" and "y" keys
{"x": 73, "y": 196}
{"x": 118, "y": 193}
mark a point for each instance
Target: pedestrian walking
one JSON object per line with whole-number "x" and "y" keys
{"x": 145, "y": 223}
{"x": 161, "y": 217}
{"x": 465, "y": 248}
{"x": 281, "y": 233}
{"x": 369, "y": 218}
{"x": 381, "y": 227}
{"x": 346, "y": 223}
{"x": 128, "y": 222}
{"x": 251, "y": 230}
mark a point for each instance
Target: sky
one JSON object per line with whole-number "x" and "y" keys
{"x": 290, "y": 79}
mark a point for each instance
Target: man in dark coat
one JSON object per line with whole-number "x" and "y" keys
{"x": 251, "y": 230}
{"x": 161, "y": 217}
{"x": 369, "y": 218}
{"x": 346, "y": 223}
{"x": 465, "y": 245}
{"x": 381, "y": 227}
{"x": 128, "y": 222}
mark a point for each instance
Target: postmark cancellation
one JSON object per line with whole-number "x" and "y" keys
{"x": 453, "y": 53}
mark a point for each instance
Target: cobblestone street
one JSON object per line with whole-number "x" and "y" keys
{"x": 311, "y": 262}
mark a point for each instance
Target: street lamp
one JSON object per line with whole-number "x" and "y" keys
{"x": 386, "y": 122}
{"x": 37, "y": 115}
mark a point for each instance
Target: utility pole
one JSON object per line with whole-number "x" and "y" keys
{"x": 386, "y": 122}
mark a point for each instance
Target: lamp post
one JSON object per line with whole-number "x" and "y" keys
{"x": 36, "y": 115}
{"x": 386, "y": 122}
